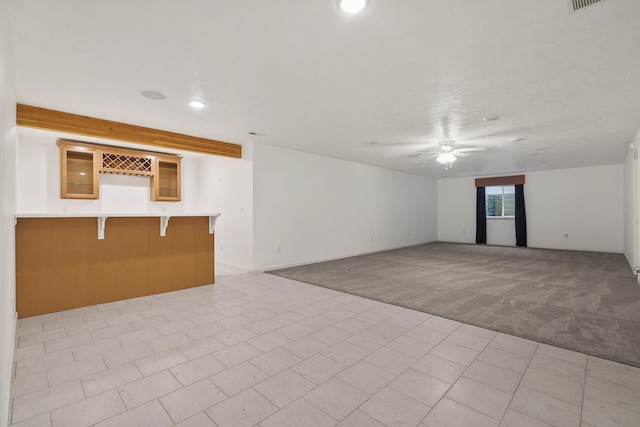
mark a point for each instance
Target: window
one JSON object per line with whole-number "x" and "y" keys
{"x": 500, "y": 201}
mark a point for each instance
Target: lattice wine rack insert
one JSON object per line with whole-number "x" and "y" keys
{"x": 126, "y": 165}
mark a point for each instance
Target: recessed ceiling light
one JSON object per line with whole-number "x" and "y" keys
{"x": 491, "y": 118}
{"x": 152, "y": 94}
{"x": 517, "y": 139}
{"x": 197, "y": 103}
{"x": 352, "y": 6}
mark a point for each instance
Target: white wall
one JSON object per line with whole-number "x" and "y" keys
{"x": 630, "y": 213}
{"x": 501, "y": 231}
{"x": 309, "y": 208}
{"x": 586, "y": 204}
{"x": 227, "y": 188}
{"x": 8, "y": 147}
{"x": 457, "y": 210}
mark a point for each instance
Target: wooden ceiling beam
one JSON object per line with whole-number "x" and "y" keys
{"x": 42, "y": 118}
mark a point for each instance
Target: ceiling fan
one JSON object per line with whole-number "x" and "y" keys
{"x": 447, "y": 152}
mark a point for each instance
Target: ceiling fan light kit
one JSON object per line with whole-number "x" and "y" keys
{"x": 446, "y": 158}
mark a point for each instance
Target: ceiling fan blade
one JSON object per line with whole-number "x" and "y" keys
{"x": 428, "y": 152}
{"x": 458, "y": 154}
{"x": 423, "y": 159}
{"x": 375, "y": 144}
{"x": 504, "y": 134}
{"x": 468, "y": 149}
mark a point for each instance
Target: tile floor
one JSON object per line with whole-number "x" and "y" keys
{"x": 257, "y": 349}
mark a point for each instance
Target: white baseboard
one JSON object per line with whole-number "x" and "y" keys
{"x": 231, "y": 266}
{"x": 313, "y": 261}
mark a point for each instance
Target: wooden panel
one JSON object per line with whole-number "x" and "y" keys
{"x": 43, "y": 118}
{"x": 60, "y": 263}
{"x": 500, "y": 180}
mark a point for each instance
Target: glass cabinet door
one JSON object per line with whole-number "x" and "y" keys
{"x": 166, "y": 180}
{"x": 79, "y": 173}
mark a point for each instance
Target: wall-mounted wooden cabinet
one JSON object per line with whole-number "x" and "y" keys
{"x": 165, "y": 181}
{"x": 78, "y": 173}
{"x": 81, "y": 163}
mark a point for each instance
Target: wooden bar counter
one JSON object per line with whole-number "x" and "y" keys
{"x": 70, "y": 261}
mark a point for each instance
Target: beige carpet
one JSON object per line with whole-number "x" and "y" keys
{"x": 584, "y": 301}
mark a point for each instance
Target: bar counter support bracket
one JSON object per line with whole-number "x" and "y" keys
{"x": 102, "y": 220}
{"x": 164, "y": 223}
{"x": 212, "y": 223}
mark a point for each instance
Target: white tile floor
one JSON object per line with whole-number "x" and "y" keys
{"x": 257, "y": 349}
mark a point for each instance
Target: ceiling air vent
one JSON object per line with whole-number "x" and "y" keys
{"x": 580, "y": 4}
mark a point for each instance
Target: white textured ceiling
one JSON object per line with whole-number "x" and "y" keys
{"x": 370, "y": 88}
